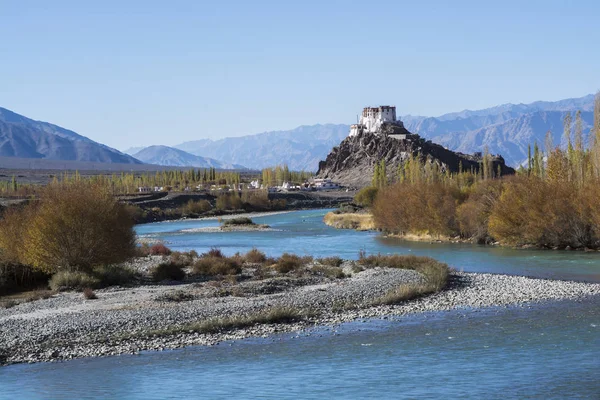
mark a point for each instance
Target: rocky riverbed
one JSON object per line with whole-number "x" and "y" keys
{"x": 122, "y": 320}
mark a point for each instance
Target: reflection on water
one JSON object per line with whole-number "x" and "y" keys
{"x": 303, "y": 232}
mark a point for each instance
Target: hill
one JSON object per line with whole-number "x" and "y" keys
{"x": 169, "y": 156}
{"x": 352, "y": 163}
{"x": 26, "y": 138}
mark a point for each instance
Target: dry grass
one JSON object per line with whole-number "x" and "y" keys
{"x": 434, "y": 272}
{"x": 176, "y": 296}
{"x": 330, "y": 261}
{"x": 402, "y": 293}
{"x": 72, "y": 280}
{"x": 328, "y": 271}
{"x": 277, "y": 315}
{"x": 361, "y": 222}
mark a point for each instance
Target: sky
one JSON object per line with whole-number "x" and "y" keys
{"x": 134, "y": 73}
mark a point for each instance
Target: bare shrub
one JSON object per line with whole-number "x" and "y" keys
{"x": 197, "y": 207}
{"x": 89, "y": 294}
{"x": 213, "y": 252}
{"x": 291, "y": 262}
{"x": 229, "y": 201}
{"x": 255, "y": 256}
{"x": 159, "y": 249}
{"x": 330, "y": 261}
{"x": 167, "y": 271}
{"x": 214, "y": 266}
{"x": 181, "y": 259}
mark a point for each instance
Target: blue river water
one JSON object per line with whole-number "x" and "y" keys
{"x": 542, "y": 351}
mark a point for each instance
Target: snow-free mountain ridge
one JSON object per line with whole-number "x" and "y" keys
{"x": 23, "y": 137}
{"x": 169, "y": 156}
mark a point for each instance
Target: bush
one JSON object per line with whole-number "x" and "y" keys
{"x": 167, "y": 272}
{"x": 159, "y": 249}
{"x": 214, "y": 266}
{"x": 89, "y": 294}
{"x": 329, "y": 271}
{"x": 115, "y": 275}
{"x": 256, "y": 200}
{"x": 182, "y": 259}
{"x": 366, "y": 196}
{"x": 213, "y": 252}
{"x": 72, "y": 280}
{"x": 229, "y": 201}
{"x": 197, "y": 207}
{"x": 255, "y": 256}
{"x": 238, "y": 221}
{"x": 176, "y": 296}
{"x": 330, "y": 261}
{"x": 422, "y": 207}
{"x": 75, "y": 226}
{"x": 16, "y": 277}
{"x": 291, "y": 262}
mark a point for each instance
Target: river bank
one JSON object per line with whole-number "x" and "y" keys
{"x": 171, "y": 206}
{"x": 155, "y": 317}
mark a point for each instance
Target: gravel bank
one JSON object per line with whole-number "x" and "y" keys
{"x": 68, "y": 326}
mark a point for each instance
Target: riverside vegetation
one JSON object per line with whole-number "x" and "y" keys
{"x": 78, "y": 237}
{"x": 552, "y": 203}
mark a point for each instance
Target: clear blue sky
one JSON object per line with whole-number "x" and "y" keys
{"x": 131, "y": 73}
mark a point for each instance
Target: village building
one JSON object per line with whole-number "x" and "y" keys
{"x": 324, "y": 184}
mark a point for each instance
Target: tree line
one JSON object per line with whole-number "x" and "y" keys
{"x": 552, "y": 201}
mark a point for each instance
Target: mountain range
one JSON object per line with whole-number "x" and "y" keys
{"x": 26, "y": 138}
{"x": 169, "y": 156}
{"x": 507, "y": 130}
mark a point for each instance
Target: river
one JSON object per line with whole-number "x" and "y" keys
{"x": 534, "y": 351}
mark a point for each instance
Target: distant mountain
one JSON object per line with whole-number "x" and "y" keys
{"x": 507, "y": 129}
{"x": 132, "y": 150}
{"x": 27, "y": 138}
{"x": 169, "y": 156}
{"x": 301, "y": 148}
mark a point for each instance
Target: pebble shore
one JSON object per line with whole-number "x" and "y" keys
{"x": 67, "y": 326}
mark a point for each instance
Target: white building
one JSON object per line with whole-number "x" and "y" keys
{"x": 373, "y": 117}
{"x": 324, "y": 184}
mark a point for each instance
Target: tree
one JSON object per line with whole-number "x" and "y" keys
{"x": 76, "y": 226}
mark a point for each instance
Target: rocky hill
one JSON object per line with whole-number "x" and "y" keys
{"x": 352, "y": 163}
{"x": 23, "y": 137}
